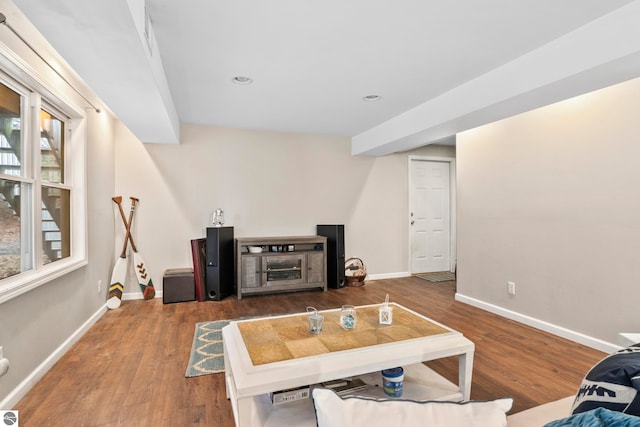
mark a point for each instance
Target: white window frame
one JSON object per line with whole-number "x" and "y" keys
{"x": 16, "y": 74}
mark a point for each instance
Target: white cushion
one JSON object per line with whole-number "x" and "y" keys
{"x": 333, "y": 411}
{"x": 542, "y": 414}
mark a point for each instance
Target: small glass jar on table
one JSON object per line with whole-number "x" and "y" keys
{"x": 348, "y": 317}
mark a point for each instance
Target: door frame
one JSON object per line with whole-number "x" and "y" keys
{"x": 452, "y": 207}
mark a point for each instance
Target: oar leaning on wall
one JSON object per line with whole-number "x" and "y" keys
{"x": 119, "y": 274}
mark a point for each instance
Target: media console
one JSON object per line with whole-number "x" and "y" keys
{"x": 285, "y": 263}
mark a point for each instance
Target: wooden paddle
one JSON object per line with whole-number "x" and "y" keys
{"x": 144, "y": 278}
{"x": 119, "y": 273}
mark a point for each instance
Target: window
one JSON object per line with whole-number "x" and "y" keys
{"x": 41, "y": 180}
{"x": 55, "y": 196}
{"x": 12, "y": 189}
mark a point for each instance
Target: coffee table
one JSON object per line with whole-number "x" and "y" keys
{"x": 264, "y": 355}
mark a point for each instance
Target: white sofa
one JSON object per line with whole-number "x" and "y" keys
{"x": 542, "y": 414}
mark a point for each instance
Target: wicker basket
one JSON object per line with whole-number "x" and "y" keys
{"x": 355, "y": 272}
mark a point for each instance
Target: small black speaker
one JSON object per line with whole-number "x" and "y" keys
{"x": 219, "y": 262}
{"x": 335, "y": 253}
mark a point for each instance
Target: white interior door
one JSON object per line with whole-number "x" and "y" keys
{"x": 430, "y": 216}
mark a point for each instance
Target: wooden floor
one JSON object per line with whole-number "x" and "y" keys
{"x": 128, "y": 370}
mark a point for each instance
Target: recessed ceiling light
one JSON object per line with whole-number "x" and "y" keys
{"x": 371, "y": 98}
{"x": 242, "y": 80}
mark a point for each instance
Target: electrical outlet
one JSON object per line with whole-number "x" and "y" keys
{"x": 511, "y": 288}
{"x": 100, "y": 286}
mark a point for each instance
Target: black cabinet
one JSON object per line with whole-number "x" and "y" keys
{"x": 335, "y": 253}
{"x": 220, "y": 264}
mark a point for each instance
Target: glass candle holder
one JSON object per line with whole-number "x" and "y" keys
{"x": 385, "y": 314}
{"x": 348, "y": 317}
{"x": 316, "y": 321}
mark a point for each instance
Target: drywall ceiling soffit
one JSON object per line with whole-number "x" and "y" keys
{"x": 311, "y": 63}
{"x": 104, "y": 42}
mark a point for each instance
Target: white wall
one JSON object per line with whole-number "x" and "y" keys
{"x": 550, "y": 200}
{"x": 268, "y": 184}
{"x": 38, "y": 326}
{"x": 35, "y": 327}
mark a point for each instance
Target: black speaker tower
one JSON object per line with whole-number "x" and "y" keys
{"x": 335, "y": 253}
{"x": 220, "y": 264}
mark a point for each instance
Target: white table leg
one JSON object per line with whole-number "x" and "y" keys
{"x": 465, "y": 369}
{"x": 245, "y": 412}
{"x": 227, "y": 373}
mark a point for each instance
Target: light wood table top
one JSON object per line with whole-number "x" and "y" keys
{"x": 275, "y": 339}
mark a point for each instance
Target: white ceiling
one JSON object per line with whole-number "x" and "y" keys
{"x": 312, "y": 62}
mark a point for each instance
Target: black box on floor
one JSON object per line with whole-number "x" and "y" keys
{"x": 178, "y": 285}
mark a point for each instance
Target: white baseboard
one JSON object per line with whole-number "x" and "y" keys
{"x": 388, "y": 275}
{"x": 578, "y": 337}
{"x": 19, "y": 392}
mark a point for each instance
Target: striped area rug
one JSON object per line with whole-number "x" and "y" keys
{"x": 438, "y": 277}
{"x": 207, "y": 351}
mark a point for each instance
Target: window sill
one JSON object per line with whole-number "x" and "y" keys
{"x": 14, "y": 286}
